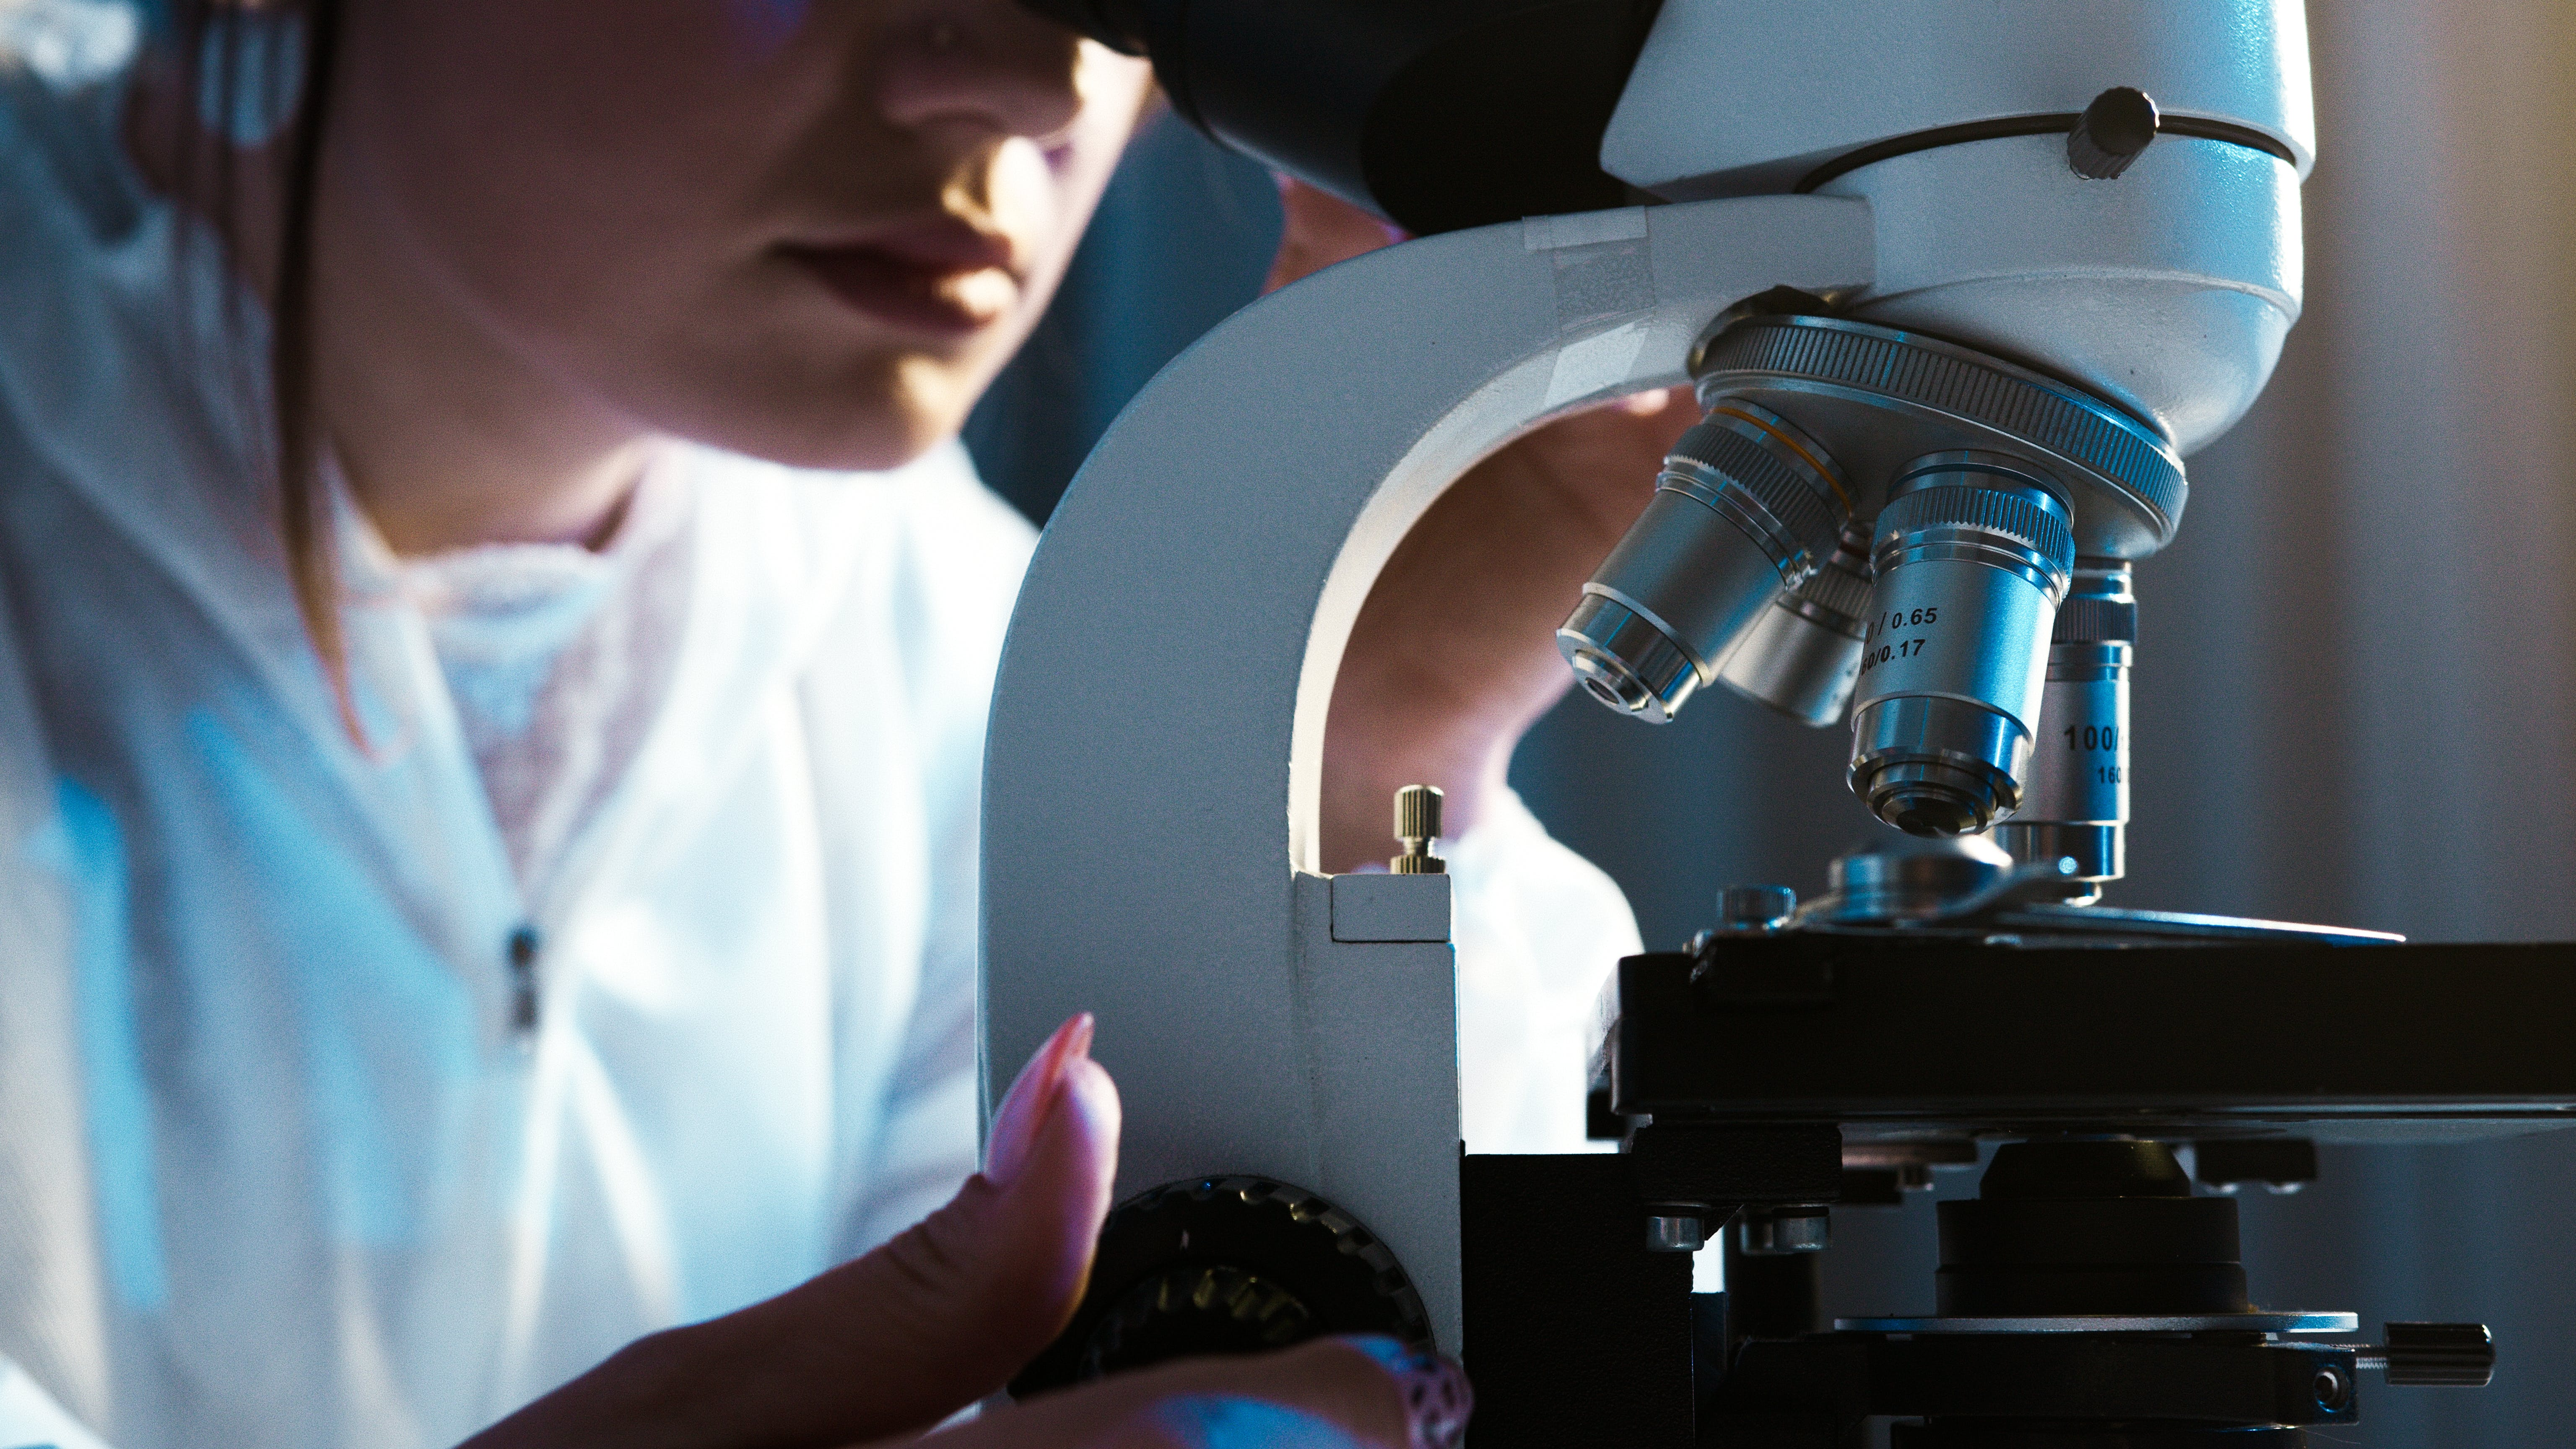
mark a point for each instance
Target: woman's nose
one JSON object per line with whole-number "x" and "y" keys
{"x": 984, "y": 63}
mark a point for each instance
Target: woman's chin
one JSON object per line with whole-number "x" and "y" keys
{"x": 866, "y": 419}
{"x": 875, "y": 451}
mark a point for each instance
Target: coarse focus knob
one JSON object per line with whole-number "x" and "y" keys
{"x": 1226, "y": 1265}
{"x": 1417, "y": 828}
{"x": 2453, "y": 1355}
{"x": 2113, "y": 131}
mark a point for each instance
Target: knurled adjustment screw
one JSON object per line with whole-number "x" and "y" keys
{"x": 1198, "y": 1309}
{"x": 2112, "y": 132}
{"x": 2453, "y": 1355}
{"x": 1226, "y": 1265}
{"x": 1417, "y": 829}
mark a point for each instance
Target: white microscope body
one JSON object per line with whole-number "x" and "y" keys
{"x": 1151, "y": 788}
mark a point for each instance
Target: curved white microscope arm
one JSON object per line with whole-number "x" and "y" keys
{"x": 1157, "y": 736}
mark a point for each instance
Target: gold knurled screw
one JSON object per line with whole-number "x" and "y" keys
{"x": 1417, "y": 828}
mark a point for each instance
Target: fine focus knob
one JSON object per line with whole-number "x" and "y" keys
{"x": 2453, "y": 1355}
{"x": 1226, "y": 1265}
{"x": 2113, "y": 131}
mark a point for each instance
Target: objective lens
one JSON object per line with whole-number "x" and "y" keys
{"x": 1801, "y": 655}
{"x": 1972, "y": 554}
{"x": 2077, "y": 803}
{"x": 1746, "y": 505}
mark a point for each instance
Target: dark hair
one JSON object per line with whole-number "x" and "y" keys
{"x": 208, "y": 44}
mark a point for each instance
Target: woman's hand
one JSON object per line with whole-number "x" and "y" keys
{"x": 1454, "y": 654}
{"x": 885, "y": 1347}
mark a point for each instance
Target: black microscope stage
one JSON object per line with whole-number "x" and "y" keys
{"x": 1811, "y": 1066}
{"x": 1883, "y": 1033}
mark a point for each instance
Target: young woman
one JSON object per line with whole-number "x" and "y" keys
{"x": 494, "y": 640}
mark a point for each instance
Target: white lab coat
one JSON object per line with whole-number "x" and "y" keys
{"x": 278, "y": 1166}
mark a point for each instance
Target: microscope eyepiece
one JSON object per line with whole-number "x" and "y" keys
{"x": 1973, "y": 554}
{"x": 1746, "y": 506}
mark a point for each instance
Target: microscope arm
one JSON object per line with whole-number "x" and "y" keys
{"x": 1152, "y": 777}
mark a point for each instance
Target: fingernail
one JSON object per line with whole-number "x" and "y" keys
{"x": 1209, "y": 1421}
{"x": 1437, "y": 1398}
{"x": 1032, "y": 1098}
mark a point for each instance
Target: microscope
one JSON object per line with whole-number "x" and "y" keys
{"x": 1959, "y": 286}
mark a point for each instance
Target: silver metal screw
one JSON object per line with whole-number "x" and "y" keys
{"x": 1675, "y": 1234}
{"x": 1756, "y": 909}
{"x": 1781, "y": 1231}
{"x": 1417, "y": 829}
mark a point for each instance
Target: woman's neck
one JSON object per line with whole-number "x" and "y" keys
{"x": 447, "y": 435}
{"x": 446, "y": 438}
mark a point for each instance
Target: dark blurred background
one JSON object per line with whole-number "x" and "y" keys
{"x": 2356, "y": 690}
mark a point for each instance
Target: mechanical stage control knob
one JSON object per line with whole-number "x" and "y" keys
{"x": 2436, "y": 1355}
{"x": 1226, "y": 1265}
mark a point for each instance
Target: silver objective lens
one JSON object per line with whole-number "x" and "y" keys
{"x": 2076, "y": 805}
{"x": 1745, "y": 507}
{"x": 1973, "y": 555}
{"x": 1801, "y": 655}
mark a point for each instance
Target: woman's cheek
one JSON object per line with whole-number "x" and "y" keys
{"x": 1028, "y": 197}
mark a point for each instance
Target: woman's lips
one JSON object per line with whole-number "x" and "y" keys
{"x": 941, "y": 280}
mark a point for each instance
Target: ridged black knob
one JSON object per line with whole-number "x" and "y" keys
{"x": 1225, "y": 1265}
{"x": 2450, "y": 1355}
{"x": 2112, "y": 132}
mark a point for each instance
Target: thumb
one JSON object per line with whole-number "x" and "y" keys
{"x": 892, "y": 1342}
{"x": 946, "y": 1313}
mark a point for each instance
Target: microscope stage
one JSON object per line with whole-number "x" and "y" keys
{"x": 1890, "y": 1038}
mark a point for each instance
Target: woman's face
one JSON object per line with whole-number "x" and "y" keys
{"x": 809, "y": 230}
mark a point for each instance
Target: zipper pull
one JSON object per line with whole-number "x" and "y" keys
{"x": 525, "y": 946}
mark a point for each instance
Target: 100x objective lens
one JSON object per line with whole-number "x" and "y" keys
{"x": 1746, "y": 505}
{"x": 1972, "y": 556}
{"x": 2076, "y": 802}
